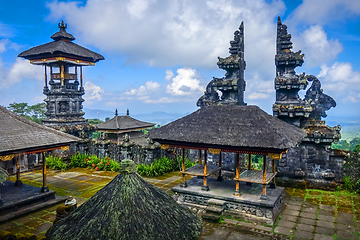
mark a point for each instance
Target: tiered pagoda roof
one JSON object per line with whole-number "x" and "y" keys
{"x": 62, "y": 46}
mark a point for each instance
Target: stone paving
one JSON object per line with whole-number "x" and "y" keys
{"x": 309, "y": 214}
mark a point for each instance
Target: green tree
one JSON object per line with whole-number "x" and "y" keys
{"x": 354, "y": 143}
{"x": 94, "y": 121}
{"x": 107, "y": 119}
{"x": 38, "y": 110}
{"x": 19, "y": 108}
{"x": 33, "y": 112}
{"x": 357, "y": 148}
{"x": 342, "y": 145}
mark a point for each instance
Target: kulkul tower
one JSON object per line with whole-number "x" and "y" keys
{"x": 63, "y": 61}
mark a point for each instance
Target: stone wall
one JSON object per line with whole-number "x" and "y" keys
{"x": 311, "y": 166}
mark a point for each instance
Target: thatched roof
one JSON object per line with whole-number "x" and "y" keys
{"x": 128, "y": 208}
{"x": 19, "y": 134}
{"x": 230, "y": 127}
{"x": 123, "y": 124}
{"x": 61, "y": 46}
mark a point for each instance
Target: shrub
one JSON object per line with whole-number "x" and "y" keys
{"x": 56, "y": 163}
{"x": 161, "y": 166}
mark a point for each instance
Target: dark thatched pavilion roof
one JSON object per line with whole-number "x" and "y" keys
{"x": 120, "y": 124}
{"x": 128, "y": 208}
{"x": 19, "y": 134}
{"x": 230, "y": 127}
{"x": 61, "y": 46}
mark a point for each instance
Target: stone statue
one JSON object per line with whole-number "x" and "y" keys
{"x": 320, "y": 102}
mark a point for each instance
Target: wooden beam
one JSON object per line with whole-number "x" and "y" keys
{"x": 249, "y": 162}
{"x": 45, "y": 76}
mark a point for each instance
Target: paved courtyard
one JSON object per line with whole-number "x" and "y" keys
{"x": 308, "y": 214}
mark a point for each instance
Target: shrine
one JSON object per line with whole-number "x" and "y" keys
{"x": 63, "y": 61}
{"x": 313, "y": 160}
{"x": 119, "y": 126}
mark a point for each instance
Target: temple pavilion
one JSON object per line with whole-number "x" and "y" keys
{"x": 20, "y": 136}
{"x": 118, "y": 126}
{"x": 242, "y": 130}
{"x": 63, "y": 61}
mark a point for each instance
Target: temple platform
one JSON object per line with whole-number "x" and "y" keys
{"x": 21, "y": 200}
{"x": 248, "y": 206}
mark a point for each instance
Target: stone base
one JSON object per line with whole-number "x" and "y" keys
{"x": 307, "y": 183}
{"x": 21, "y": 200}
{"x": 248, "y": 206}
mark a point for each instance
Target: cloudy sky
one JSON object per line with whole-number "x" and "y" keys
{"x": 160, "y": 55}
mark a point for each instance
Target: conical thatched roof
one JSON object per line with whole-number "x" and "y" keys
{"x": 128, "y": 208}
{"x": 230, "y": 127}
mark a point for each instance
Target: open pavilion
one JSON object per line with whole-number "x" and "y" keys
{"x": 242, "y": 130}
{"x": 20, "y": 136}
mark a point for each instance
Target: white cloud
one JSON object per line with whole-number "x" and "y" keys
{"x": 92, "y": 92}
{"x": 317, "y": 47}
{"x": 143, "y": 91}
{"x": 169, "y": 33}
{"x": 185, "y": 83}
{"x": 256, "y": 96}
{"x": 169, "y": 75}
{"x": 20, "y": 70}
{"x": 323, "y": 12}
{"x": 340, "y": 82}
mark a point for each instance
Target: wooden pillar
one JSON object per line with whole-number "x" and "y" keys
{"x": 183, "y": 183}
{"x": 200, "y": 160}
{"x": 237, "y": 175}
{"x": 81, "y": 77}
{"x": 44, "y": 187}
{"x": 62, "y": 76}
{"x": 220, "y": 177}
{"x": 205, "y": 186}
{"x": 273, "y": 183}
{"x": 76, "y": 72}
{"x": 18, "y": 181}
{"x": 249, "y": 162}
{"x": 45, "y": 77}
{"x": 263, "y": 196}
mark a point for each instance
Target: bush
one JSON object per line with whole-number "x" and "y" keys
{"x": 56, "y": 163}
{"x": 161, "y": 166}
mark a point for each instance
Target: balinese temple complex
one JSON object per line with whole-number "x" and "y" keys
{"x": 227, "y": 124}
{"x": 313, "y": 161}
{"x": 63, "y": 61}
{"x": 116, "y": 128}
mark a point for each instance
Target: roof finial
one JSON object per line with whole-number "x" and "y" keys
{"x": 127, "y": 112}
{"x": 62, "y": 25}
{"x": 116, "y": 113}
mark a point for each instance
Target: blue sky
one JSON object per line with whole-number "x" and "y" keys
{"x": 160, "y": 55}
